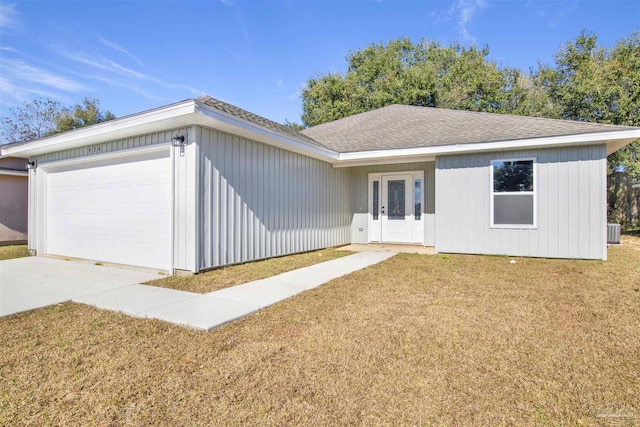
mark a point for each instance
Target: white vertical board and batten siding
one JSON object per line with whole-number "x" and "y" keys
{"x": 258, "y": 201}
{"x": 570, "y": 188}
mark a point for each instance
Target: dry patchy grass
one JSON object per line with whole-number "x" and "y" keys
{"x": 16, "y": 251}
{"x": 238, "y": 274}
{"x": 631, "y": 241}
{"x": 415, "y": 340}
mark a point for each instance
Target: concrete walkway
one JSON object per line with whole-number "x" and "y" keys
{"x": 207, "y": 311}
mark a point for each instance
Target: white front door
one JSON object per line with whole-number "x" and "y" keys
{"x": 396, "y": 218}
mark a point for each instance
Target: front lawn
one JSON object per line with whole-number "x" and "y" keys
{"x": 16, "y": 251}
{"x": 415, "y": 340}
{"x": 238, "y": 274}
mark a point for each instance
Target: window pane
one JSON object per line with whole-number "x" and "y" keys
{"x": 396, "y": 198}
{"x": 513, "y": 209}
{"x": 513, "y": 176}
{"x": 418, "y": 199}
{"x": 375, "y": 200}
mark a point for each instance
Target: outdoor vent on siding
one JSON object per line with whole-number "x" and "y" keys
{"x": 613, "y": 234}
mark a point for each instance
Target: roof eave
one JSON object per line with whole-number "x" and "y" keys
{"x": 614, "y": 140}
{"x": 175, "y": 116}
{"x": 169, "y": 117}
{"x": 216, "y": 119}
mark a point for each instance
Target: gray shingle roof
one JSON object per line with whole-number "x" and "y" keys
{"x": 405, "y": 126}
{"x": 254, "y": 118}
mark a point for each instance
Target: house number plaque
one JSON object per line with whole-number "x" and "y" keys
{"x": 94, "y": 149}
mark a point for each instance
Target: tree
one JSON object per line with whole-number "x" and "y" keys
{"x": 401, "y": 72}
{"x": 43, "y": 117}
{"x": 81, "y": 115}
{"x": 326, "y": 98}
{"x": 293, "y": 125}
{"x": 591, "y": 83}
{"x": 623, "y": 75}
{"x": 34, "y": 119}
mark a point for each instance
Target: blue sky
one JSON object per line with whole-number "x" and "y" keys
{"x": 138, "y": 55}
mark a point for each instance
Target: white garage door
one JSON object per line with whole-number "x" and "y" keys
{"x": 117, "y": 210}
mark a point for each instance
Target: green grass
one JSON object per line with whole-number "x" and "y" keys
{"x": 10, "y": 252}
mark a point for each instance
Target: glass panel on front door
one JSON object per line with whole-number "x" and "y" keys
{"x": 375, "y": 200}
{"x": 417, "y": 199}
{"x": 396, "y": 199}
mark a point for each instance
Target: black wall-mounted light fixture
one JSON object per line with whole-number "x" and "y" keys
{"x": 31, "y": 165}
{"x": 178, "y": 140}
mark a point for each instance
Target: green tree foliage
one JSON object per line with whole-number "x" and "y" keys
{"x": 81, "y": 115}
{"x": 623, "y": 73}
{"x": 44, "y": 117}
{"x": 293, "y": 125}
{"x": 590, "y": 83}
{"x": 402, "y": 72}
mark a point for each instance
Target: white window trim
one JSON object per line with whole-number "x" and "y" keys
{"x": 533, "y": 193}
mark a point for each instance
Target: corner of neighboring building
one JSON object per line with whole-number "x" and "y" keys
{"x": 13, "y": 203}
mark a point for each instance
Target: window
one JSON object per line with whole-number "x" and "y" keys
{"x": 396, "y": 199}
{"x": 513, "y": 193}
{"x": 375, "y": 200}
{"x": 417, "y": 214}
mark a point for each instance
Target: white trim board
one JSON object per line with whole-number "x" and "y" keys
{"x": 106, "y": 155}
{"x": 8, "y": 172}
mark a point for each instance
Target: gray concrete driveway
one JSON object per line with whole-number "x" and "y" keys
{"x": 28, "y": 283}
{"x": 34, "y": 282}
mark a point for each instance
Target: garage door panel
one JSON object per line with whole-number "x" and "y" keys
{"x": 144, "y": 254}
{"x": 113, "y": 211}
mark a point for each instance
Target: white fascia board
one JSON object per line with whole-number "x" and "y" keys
{"x": 13, "y": 173}
{"x": 172, "y": 116}
{"x": 612, "y": 139}
{"x": 383, "y": 161}
{"x": 211, "y": 117}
